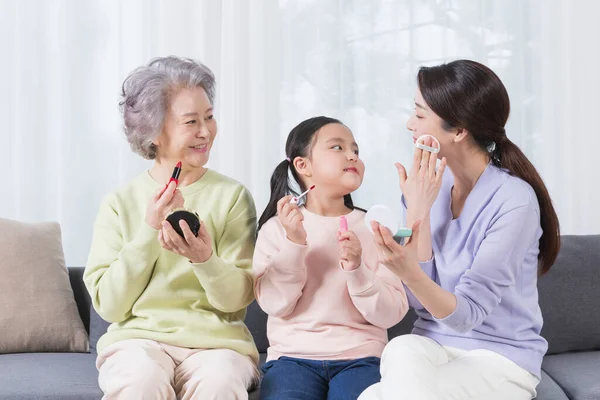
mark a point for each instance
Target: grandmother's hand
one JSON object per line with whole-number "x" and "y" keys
{"x": 162, "y": 203}
{"x": 195, "y": 249}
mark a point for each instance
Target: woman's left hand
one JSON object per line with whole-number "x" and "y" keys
{"x": 401, "y": 260}
{"x": 196, "y": 249}
{"x": 422, "y": 186}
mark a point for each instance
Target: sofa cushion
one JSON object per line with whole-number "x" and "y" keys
{"x": 578, "y": 374}
{"x": 403, "y": 327}
{"x": 82, "y": 297}
{"x": 38, "y": 312}
{"x": 98, "y": 327}
{"x": 64, "y": 376}
{"x": 68, "y": 376}
{"x": 569, "y": 296}
{"x": 256, "y": 321}
{"x": 548, "y": 389}
{"x": 253, "y": 393}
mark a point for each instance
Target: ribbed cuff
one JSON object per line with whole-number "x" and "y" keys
{"x": 291, "y": 257}
{"x": 360, "y": 280}
{"x": 459, "y": 317}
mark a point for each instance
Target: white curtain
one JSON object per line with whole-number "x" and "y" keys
{"x": 566, "y": 81}
{"x": 357, "y": 60}
{"x": 63, "y": 62}
{"x": 277, "y": 63}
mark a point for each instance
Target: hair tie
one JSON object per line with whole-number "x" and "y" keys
{"x": 288, "y": 159}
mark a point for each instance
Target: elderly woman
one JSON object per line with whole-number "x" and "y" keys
{"x": 176, "y": 303}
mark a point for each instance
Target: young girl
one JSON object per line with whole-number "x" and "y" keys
{"x": 328, "y": 299}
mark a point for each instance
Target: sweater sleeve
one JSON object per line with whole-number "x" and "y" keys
{"x": 280, "y": 271}
{"x": 494, "y": 268}
{"x": 117, "y": 272}
{"x": 227, "y": 275}
{"x": 429, "y": 268}
{"x": 377, "y": 294}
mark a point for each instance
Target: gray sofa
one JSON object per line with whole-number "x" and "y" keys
{"x": 569, "y": 297}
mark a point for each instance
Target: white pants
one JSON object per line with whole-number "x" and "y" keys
{"x": 145, "y": 369}
{"x": 414, "y": 367}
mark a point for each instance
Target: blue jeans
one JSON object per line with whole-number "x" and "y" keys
{"x": 298, "y": 379}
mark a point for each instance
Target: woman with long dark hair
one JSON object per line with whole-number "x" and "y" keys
{"x": 482, "y": 233}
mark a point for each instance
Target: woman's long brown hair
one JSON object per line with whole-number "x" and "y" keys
{"x": 469, "y": 95}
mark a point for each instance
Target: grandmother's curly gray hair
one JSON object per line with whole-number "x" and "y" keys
{"x": 146, "y": 93}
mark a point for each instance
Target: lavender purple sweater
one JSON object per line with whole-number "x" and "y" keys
{"x": 487, "y": 257}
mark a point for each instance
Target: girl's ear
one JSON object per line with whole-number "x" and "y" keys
{"x": 302, "y": 165}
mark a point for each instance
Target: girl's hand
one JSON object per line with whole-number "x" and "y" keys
{"x": 350, "y": 250}
{"x": 292, "y": 219}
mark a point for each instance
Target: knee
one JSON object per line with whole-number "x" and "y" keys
{"x": 148, "y": 383}
{"x": 149, "y": 374}
{"x": 134, "y": 376}
{"x": 401, "y": 344}
{"x": 373, "y": 392}
{"x": 404, "y": 353}
{"x": 215, "y": 388}
{"x": 412, "y": 344}
{"x": 218, "y": 375}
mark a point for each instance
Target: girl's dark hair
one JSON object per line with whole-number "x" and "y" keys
{"x": 299, "y": 144}
{"x": 466, "y": 94}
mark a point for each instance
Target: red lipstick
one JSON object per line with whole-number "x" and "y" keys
{"x": 175, "y": 175}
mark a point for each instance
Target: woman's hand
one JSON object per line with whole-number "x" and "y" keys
{"x": 291, "y": 218}
{"x": 350, "y": 250}
{"x": 162, "y": 203}
{"x": 401, "y": 260}
{"x": 422, "y": 186}
{"x": 196, "y": 249}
